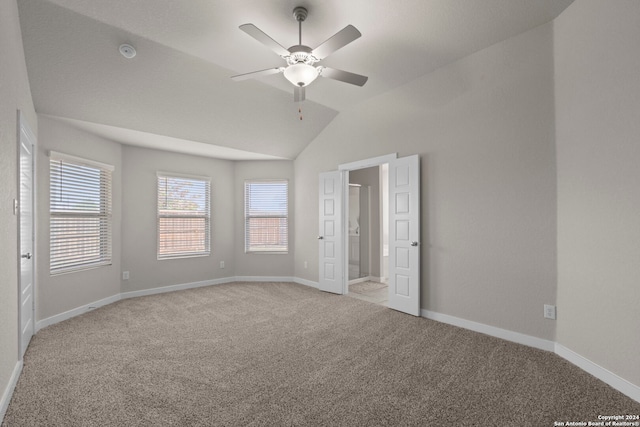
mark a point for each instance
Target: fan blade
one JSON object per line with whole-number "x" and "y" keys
{"x": 254, "y": 74}
{"x": 298, "y": 94}
{"x": 259, "y": 35}
{"x": 338, "y": 40}
{"x": 344, "y": 76}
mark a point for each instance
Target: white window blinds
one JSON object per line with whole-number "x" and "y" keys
{"x": 266, "y": 216}
{"x": 183, "y": 216}
{"x": 79, "y": 213}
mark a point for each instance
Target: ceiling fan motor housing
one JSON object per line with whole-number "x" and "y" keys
{"x": 300, "y": 13}
{"x": 300, "y": 54}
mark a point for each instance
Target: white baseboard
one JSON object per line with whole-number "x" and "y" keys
{"x": 179, "y": 287}
{"x": 8, "y": 391}
{"x": 368, "y": 279}
{"x": 76, "y": 312}
{"x": 159, "y": 290}
{"x": 263, "y": 279}
{"x": 505, "y": 334}
{"x": 620, "y": 384}
{"x": 359, "y": 280}
{"x": 305, "y": 282}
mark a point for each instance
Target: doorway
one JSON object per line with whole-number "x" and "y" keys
{"x": 367, "y": 213}
{"x": 404, "y": 230}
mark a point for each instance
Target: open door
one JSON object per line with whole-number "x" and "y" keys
{"x": 331, "y": 262}
{"x": 404, "y": 235}
{"x": 26, "y": 282}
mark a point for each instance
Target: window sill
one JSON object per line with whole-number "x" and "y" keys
{"x": 167, "y": 257}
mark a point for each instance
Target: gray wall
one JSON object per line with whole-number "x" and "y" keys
{"x": 597, "y": 69}
{"x": 256, "y": 264}
{"x": 227, "y": 209}
{"x": 57, "y": 294}
{"x": 134, "y": 228}
{"x": 484, "y": 129}
{"x": 139, "y": 235}
{"x": 14, "y": 95}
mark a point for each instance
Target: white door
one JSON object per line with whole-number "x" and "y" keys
{"x": 330, "y": 235}
{"x": 27, "y": 141}
{"x": 404, "y": 235}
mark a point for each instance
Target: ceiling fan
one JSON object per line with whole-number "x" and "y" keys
{"x": 300, "y": 69}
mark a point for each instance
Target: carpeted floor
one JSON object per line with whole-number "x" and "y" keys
{"x": 281, "y": 354}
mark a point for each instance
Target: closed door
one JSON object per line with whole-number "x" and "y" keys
{"x": 404, "y": 235}
{"x": 27, "y": 142}
{"x": 330, "y": 233}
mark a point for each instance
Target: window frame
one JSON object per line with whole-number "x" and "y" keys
{"x": 105, "y": 211}
{"x": 207, "y": 216}
{"x": 247, "y": 217}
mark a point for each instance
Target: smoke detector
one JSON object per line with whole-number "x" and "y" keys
{"x": 127, "y": 51}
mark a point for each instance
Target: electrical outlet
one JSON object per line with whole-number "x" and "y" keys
{"x": 125, "y": 275}
{"x": 221, "y": 264}
{"x": 549, "y": 311}
{"x": 305, "y": 264}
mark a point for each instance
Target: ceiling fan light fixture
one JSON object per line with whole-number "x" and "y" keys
{"x": 301, "y": 74}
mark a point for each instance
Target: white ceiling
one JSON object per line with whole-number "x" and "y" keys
{"x": 176, "y": 93}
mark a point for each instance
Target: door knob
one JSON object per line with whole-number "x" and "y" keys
{"x": 320, "y": 237}
{"x": 414, "y": 243}
{"x": 27, "y": 255}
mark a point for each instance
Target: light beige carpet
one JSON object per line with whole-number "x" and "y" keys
{"x": 277, "y": 354}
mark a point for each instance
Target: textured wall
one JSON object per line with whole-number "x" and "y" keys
{"x": 597, "y": 67}
{"x": 484, "y": 129}
{"x": 57, "y": 294}
{"x": 14, "y": 94}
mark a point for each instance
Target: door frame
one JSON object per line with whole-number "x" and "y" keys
{"x": 23, "y": 126}
{"x": 344, "y": 169}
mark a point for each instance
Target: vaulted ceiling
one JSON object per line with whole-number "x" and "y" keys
{"x": 176, "y": 94}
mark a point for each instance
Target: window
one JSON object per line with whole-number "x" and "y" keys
{"x": 183, "y": 216}
{"x": 79, "y": 213}
{"x": 266, "y": 216}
